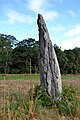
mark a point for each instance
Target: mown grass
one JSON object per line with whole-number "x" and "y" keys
{"x": 17, "y": 101}
{"x": 19, "y": 77}
{"x": 70, "y": 77}
{"x": 35, "y": 77}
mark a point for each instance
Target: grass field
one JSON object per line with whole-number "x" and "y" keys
{"x": 34, "y": 77}
{"x": 19, "y": 76}
{"x": 16, "y": 98}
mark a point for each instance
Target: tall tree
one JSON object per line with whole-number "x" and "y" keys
{"x": 62, "y": 58}
{"x": 19, "y": 60}
{"x": 73, "y": 60}
{"x": 6, "y": 44}
{"x": 26, "y": 53}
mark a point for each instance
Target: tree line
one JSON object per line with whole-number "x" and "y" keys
{"x": 23, "y": 56}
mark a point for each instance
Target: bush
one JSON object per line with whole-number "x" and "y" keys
{"x": 42, "y": 98}
{"x": 67, "y": 105}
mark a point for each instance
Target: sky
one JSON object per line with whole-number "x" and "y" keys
{"x": 62, "y": 17}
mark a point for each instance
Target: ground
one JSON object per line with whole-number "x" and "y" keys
{"x": 10, "y": 84}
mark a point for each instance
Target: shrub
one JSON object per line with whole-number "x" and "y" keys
{"x": 42, "y": 98}
{"x": 67, "y": 105}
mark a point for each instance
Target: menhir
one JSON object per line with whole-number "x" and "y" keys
{"x": 49, "y": 68}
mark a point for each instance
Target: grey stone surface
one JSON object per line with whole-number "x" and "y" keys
{"x": 49, "y": 69}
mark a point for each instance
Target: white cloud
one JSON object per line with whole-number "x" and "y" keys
{"x": 49, "y": 15}
{"x": 39, "y": 6}
{"x": 58, "y": 28}
{"x": 16, "y": 17}
{"x": 71, "y": 12}
{"x": 73, "y": 32}
{"x": 35, "y": 5}
{"x": 70, "y": 44}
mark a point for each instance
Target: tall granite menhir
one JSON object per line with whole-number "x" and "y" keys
{"x": 49, "y": 69}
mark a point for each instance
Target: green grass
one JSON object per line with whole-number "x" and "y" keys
{"x": 70, "y": 77}
{"x": 34, "y": 77}
{"x": 19, "y": 76}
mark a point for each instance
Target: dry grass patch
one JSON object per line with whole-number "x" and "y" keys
{"x": 17, "y": 102}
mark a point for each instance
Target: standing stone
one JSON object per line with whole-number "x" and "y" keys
{"x": 49, "y": 69}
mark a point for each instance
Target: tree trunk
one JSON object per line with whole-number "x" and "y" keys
{"x": 30, "y": 65}
{"x": 49, "y": 69}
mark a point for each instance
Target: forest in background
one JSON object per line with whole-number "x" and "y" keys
{"x": 20, "y": 57}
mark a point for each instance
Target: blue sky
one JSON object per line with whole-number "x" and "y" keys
{"x": 19, "y": 18}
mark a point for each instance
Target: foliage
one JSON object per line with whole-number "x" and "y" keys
{"x": 42, "y": 98}
{"x": 73, "y": 65}
{"x": 26, "y": 54}
{"x": 19, "y": 60}
{"x": 67, "y": 105}
{"x": 6, "y": 44}
{"x": 62, "y": 59}
{"x": 23, "y": 56}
